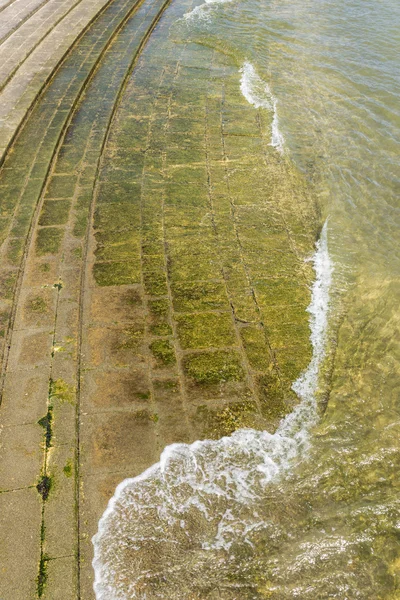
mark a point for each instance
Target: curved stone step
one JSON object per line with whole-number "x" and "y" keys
{"x": 18, "y": 96}
{"x": 48, "y": 298}
{"x": 5, "y": 3}
{"x": 15, "y": 50}
{"x": 17, "y": 13}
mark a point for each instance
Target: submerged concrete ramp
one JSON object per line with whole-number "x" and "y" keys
{"x": 152, "y": 276}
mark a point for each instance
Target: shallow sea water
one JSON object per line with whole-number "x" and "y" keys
{"x": 314, "y": 510}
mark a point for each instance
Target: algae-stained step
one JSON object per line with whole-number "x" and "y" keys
{"x": 197, "y": 286}
{"x": 220, "y": 271}
{"x": 191, "y": 320}
{"x": 24, "y": 171}
{"x": 44, "y": 343}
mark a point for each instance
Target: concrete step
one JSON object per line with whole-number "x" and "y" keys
{"x": 17, "y": 13}
{"x": 21, "y": 43}
{"x": 22, "y": 90}
{"x": 44, "y": 166}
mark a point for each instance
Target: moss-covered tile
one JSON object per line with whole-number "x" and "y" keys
{"x": 159, "y": 307}
{"x": 224, "y": 421}
{"x": 187, "y": 196}
{"x": 48, "y": 240}
{"x": 116, "y": 273}
{"x": 163, "y": 351}
{"x": 130, "y": 338}
{"x": 214, "y": 367}
{"x": 116, "y": 216}
{"x": 15, "y": 249}
{"x": 61, "y": 186}
{"x": 198, "y": 296}
{"x": 189, "y": 267}
{"x": 161, "y": 329}
{"x": 4, "y": 225}
{"x": 121, "y": 192}
{"x": 184, "y": 155}
{"x": 256, "y": 347}
{"x": 281, "y": 291}
{"x": 195, "y": 176}
{"x": 272, "y": 395}
{"x": 206, "y": 330}
{"x": 155, "y": 282}
{"x": 8, "y": 280}
{"x": 54, "y": 212}
{"x": 118, "y": 251}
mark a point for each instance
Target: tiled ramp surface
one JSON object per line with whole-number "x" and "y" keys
{"x": 153, "y": 282}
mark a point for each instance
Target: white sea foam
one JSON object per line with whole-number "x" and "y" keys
{"x": 258, "y": 93}
{"x": 210, "y": 487}
{"x": 203, "y": 11}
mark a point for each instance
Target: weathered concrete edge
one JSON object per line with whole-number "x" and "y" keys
{"x": 33, "y": 92}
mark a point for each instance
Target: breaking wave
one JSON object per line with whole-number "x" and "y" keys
{"x": 258, "y": 93}
{"x": 165, "y": 528}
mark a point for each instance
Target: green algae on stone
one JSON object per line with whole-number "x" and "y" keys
{"x": 222, "y": 422}
{"x": 45, "y": 267}
{"x": 54, "y": 212}
{"x": 68, "y": 468}
{"x": 161, "y": 329}
{"x": 116, "y": 273}
{"x": 256, "y": 347}
{"x": 155, "y": 282}
{"x": 61, "y": 186}
{"x": 272, "y": 394}
{"x": 292, "y": 361}
{"x": 48, "y": 240}
{"x": 120, "y": 250}
{"x": 205, "y": 330}
{"x": 281, "y": 291}
{"x": 41, "y": 579}
{"x": 163, "y": 351}
{"x": 159, "y": 307}
{"x": 61, "y": 390}
{"x": 214, "y": 367}
{"x": 130, "y": 338}
{"x": 197, "y": 296}
{"x": 37, "y": 304}
{"x": 15, "y": 249}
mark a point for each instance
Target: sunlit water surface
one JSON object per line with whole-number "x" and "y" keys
{"x": 315, "y": 514}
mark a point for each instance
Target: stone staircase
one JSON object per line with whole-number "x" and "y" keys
{"x": 34, "y": 39}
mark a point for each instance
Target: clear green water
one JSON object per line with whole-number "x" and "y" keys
{"x": 330, "y": 527}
